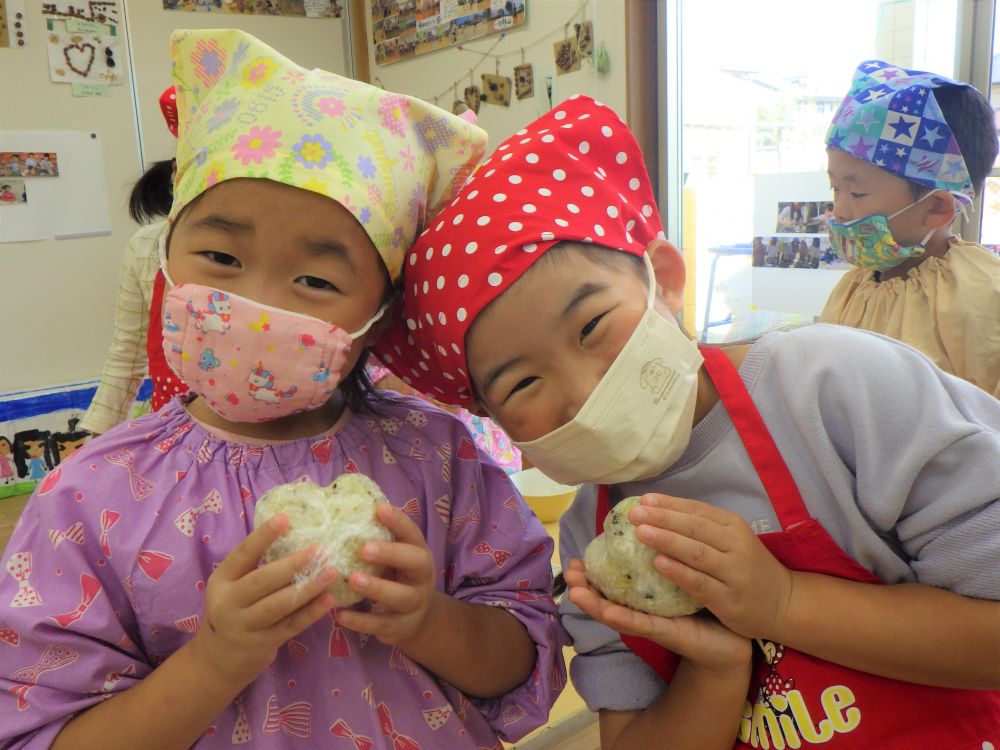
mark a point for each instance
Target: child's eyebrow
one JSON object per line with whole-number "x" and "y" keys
{"x": 496, "y": 372}
{"x": 585, "y": 291}
{"x": 331, "y": 250}
{"x": 221, "y": 223}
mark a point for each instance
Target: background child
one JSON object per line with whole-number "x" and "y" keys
{"x": 134, "y": 576}
{"x": 856, "y": 460}
{"x": 907, "y": 150}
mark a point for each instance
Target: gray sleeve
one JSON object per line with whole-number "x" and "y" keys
{"x": 604, "y": 672}
{"x": 924, "y": 447}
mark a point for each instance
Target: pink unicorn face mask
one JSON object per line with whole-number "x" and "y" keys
{"x": 251, "y": 362}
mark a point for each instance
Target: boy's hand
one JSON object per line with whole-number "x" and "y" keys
{"x": 251, "y": 611}
{"x": 402, "y": 598}
{"x": 705, "y": 642}
{"x": 713, "y": 555}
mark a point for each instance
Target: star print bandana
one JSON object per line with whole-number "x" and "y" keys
{"x": 891, "y": 120}
{"x": 575, "y": 174}
{"x": 246, "y": 111}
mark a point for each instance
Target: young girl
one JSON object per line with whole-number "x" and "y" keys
{"x": 906, "y": 151}
{"x": 871, "y": 477}
{"x": 135, "y": 610}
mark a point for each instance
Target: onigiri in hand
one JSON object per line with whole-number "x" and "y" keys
{"x": 621, "y": 566}
{"x": 338, "y": 518}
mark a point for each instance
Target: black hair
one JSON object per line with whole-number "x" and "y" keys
{"x": 21, "y": 439}
{"x": 58, "y": 441}
{"x": 970, "y": 118}
{"x": 153, "y": 194}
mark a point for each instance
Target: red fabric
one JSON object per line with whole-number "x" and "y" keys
{"x": 794, "y": 699}
{"x": 576, "y": 173}
{"x": 166, "y": 384}
{"x": 168, "y": 106}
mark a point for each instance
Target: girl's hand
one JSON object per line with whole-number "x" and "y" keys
{"x": 713, "y": 555}
{"x": 402, "y": 598}
{"x": 706, "y": 643}
{"x": 251, "y": 611}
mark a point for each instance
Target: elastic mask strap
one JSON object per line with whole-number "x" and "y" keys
{"x": 367, "y": 326}
{"x": 907, "y": 208}
{"x": 161, "y": 251}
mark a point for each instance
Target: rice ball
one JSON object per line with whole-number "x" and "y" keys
{"x": 622, "y": 568}
{"x": 339, "y": 518}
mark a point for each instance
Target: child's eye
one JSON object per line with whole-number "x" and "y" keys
{"x": 588, "y": 329}
{"x": 314, "y": 282}
{"x": 223, "y": 259}
{"x": 522, "y": 385}
{"x": 858, "y": 195}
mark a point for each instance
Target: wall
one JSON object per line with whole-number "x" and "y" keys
{"x": 430, "y": 74}
{"x": 59, "y": 295}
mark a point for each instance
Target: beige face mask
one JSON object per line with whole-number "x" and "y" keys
{"x": 638, "y": 420}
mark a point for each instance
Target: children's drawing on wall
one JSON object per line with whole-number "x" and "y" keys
{"x": 84, "y": 58}
{"x": 97, "y": 11}
{"x": 307, "y": 8}
{"x": 30, "y": 454}
{"x": 12, "y": 192}
{"x": 402, "y": 29}
{"x": 29, "y": 164}
{"x": 13, "y": 24}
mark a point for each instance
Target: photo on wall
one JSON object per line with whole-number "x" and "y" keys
{"x": 12, "y": 192}
{"x": 307, "y": 8}
{"x": 800, "y": 250}
{"x": 803, "y": 216}
{"x": 29, "y": 164}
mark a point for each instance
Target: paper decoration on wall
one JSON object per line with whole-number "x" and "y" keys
{"x": 32, "y": 445}
{"x": 472, "y": 98}
{"x": 12, "y": 192}
{"x": 84, "y": 58}
{"x": 29, "y": 164}
{"x": 403, "y": 29}
{"x": 307, "y": 8}
{"x": 567, "y": 57}
{"x": 13, "y": 24}
{"x": 98, "y": 11}
{"x": 524, "y": 81}
{"x": 496, "y": 89}
{"x": 584, "y": 38}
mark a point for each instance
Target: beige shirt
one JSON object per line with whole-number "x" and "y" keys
{"x": 125, "y": 366}
{"x": 948, "y": 308}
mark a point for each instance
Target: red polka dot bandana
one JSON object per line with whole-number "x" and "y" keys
{"x": 168, "y": 106}
{"x": 575, "y": 174}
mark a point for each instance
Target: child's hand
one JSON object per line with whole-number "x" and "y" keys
{"x": 251, "y": 611}
{"x": 402, "y": 598}
{"x": 713, "y": 555}
{"x": 704, "y": 641}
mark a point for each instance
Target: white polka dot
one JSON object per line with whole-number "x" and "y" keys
{"x": 583, "y": 117}
{"x": 463, "y": 281}
{"x": 544, "y": 191}
{"x": 613, "y": 212}
{"x": 441, "y": 350}
{"x": 430, "y": 321}
{"x": 429, "y": 254}
{"x": 599, "y": 174}
{"x": 413, "y": 259}
{"x": 387, "y": 358}
{"x": 524, "y": 140}
{"x": 461, "y": 314}
{"x": 472, "y": 194}
{"x": 426, "y": 287}
{"x": 500, "y": 197}
{"x": 424, "y": 367}
{"x": 442, "y": 318}
{"x": 598, "y": 230}
{"x": 446, "y": 250}
{"x": 621, "y": 157}
{"x": 471, "y": 247}
{"x": 558, "y": 175}
{"x": 514, "y": 179}
{"x": 490, "y": 173}
{"x": 647, "y": 211}
{"x": 531, "y": 158}
{"x": 522, "y": 131}
{"x": 411, "y": 324}
{"x": 630, "y": 225}
{"x": 494, "y": 279}
{"x": 573, "y": 208}
{"x": 588, "y": 239}
{"x": 584, "y": 147}
{"x": 561, "y": 115}
{"x": 438, "y": 227}
{"x": 562, "y": 222}
{"x": 505, "y": 157}
{"x": 458, "y": 219}
{"x": 543, "y": 131}
{"x": 548, "y": 138}
{"x": 661, "y": 235}
{"x": 529, "y": 208}
{"x": 483, "y": 221}
{"x": 628, "y": 237}
{"x": 515, "y": 226}
{"x": 588, "y": 191}
{"x": 606, "y": 131}
{"x": 424, "y": 354}
{"x": 440, "y": 282}
{"x": 454, "y": 348}
{"x": 571, "y": 156}
{"x": 634, "y": 183}
{"x": 503, "y": 147}
{"x": 547, "y": 236}
{"x": 567, "y": 126}
{"x": 530, "y": 247}
{"x": 448, "y": 376}
{"x": 499, "y": 249}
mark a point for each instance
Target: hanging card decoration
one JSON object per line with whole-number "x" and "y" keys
{"x": 584, "y": 38}
{"x": 97, "y": 11}
{"x": 524, "y": 81}
{"x": 496, "y": 89}
{"x": 84, "y": 58}
{"x": 472, "y": 98}
{"x": 567, "y": 56}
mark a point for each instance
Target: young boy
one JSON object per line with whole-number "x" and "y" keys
{"x": 907, "y": 151}
{"x": 856, "y": 460}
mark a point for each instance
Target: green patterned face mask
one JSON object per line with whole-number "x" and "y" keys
{"x": 868, "y": 243}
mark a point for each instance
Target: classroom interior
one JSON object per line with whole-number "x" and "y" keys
{"x": 731, "y": 119}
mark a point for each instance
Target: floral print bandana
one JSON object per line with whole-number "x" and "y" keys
{"x": 246, "y": 111}
{"x": 891, "y": 120}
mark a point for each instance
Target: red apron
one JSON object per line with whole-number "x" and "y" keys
{"x": 795, "y": 700}
{"x": 166, "y": 384}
